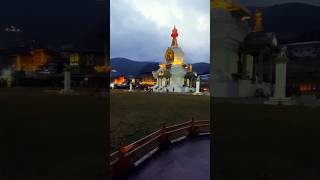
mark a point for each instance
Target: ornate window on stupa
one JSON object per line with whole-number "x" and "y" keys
{"x": 169, "y": 55}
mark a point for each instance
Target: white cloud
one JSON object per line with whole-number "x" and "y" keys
{"x": 140, "y": 29}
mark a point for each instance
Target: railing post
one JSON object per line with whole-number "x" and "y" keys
{"x": 192, "y": 129}
{"x": 164, "y": 141}
{"x": 124, "y": 164}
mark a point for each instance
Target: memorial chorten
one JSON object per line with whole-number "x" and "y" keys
{"x": 174, "y": 75}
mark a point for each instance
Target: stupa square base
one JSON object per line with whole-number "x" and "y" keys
{"x": 174, "y": 89}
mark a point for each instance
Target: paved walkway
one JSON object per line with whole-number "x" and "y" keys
{"x": 189, "y": 160}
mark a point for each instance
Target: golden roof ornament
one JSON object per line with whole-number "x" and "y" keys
{"x": 258, "y": 21}
{"x": 221, "y": 3}
{"x": 231, "y": 6}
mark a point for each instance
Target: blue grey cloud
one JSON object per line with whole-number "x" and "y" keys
{"x": 140, "y": 29}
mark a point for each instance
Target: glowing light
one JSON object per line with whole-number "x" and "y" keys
{"x": 205, "y": 89}
{"x": 306, "y": 87}
{"x": 120, "y": 80}
{"x": 74, "y": 59}
{"x": 162, "y": 66}
{"x": 148, "y": 83}
{"x": 30, "y": 63}
{"x": 100, "y": 69}
{"x": 177, "y": 62}
{"x": 148, "y": 80}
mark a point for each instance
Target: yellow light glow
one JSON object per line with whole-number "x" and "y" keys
{"x": 148, "y": 83}
{"x": 177, "y": 61}
{"x": 74, "y": 59}
{"x": 101, "y": 69}
{"x": 30, "y": 62}
{"x": 148, "y": 80}
{"x": 162, "y": 66}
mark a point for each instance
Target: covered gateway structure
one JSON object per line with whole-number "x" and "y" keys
{"x": 242, "y": 59}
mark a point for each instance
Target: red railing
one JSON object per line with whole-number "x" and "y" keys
{"x": 123, "y": 160}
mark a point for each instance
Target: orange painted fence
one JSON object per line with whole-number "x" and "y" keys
{"x": 123, "y": 160}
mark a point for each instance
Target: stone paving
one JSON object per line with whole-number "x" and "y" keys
{"x": 189, "y": 160}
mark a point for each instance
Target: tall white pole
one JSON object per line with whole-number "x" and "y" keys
{"x": 280, "y": 85}
{"x": 279, "y": 95}
{"x": 197, "y": 87}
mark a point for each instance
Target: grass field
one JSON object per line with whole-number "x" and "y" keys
{"x": 47, "y": 136}
{"x": 135, "y": 115}
{"x": 278, "y": 142}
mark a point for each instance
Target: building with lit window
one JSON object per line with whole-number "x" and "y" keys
{"x": 303, "y": 74}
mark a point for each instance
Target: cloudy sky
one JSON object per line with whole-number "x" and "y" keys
{"x": 272, "y": 2}
{"x": 140, "y": 29}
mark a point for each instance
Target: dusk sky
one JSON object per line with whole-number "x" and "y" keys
{"x": 272, "y": 2}
{"x": 140, "y": 29}
{"x": 55, "y": 23}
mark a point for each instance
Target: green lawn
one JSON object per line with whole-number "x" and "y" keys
{"x": 52, "y": 136}
{"x": 135, "y": 115}
{"x": 279, "y": 141}
{"x": 43, "y": 135}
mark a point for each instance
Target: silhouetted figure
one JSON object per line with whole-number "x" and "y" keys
{"x": 148, "y": 90}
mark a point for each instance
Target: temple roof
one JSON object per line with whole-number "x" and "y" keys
{"x": 304, "y": 43}
{"x": 257, "y": 41}
{"x": 232, "y": 6}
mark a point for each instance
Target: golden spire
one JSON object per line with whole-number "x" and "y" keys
{"x": 258, "y": 21}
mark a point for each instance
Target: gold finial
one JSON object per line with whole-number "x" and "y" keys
{"x": 258, "y": 21}
{"x": 174, "y": 36}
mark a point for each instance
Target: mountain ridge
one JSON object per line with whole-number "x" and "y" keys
{"x": 55, "y": 23}
{"x": 127, "y": 67}
{"x": 292, "y": 22}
